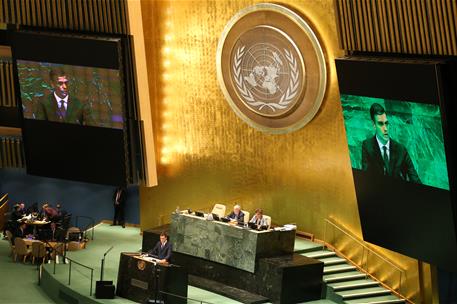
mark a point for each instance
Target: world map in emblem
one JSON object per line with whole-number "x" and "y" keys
{"x": 271, "y": 68}
{"x": 267, "y": 75}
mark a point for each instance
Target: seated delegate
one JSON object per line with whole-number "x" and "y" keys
{"x": 237, "y": 214}
{"x": 259, "y": 219}
{"x": 22, "y": 231}
{"x": 53, "y": 234}
{"x": 162, "y": 250}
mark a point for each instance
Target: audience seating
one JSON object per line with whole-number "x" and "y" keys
{"x": 38, "y": 251}
{"x": 9, "y": 235}
{"x": 74, "y": 246}
{"x": 268, "y": 220}
{"x": 72, "y": 230}
{"x": 20, "y": 249}
{"x": 246, "y": 216}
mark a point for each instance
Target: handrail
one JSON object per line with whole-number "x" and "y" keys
{"x": 363, "y": 245}
{"x": 82, "y": 265}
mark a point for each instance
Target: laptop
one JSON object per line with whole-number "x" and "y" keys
{"x": 225, "y": 219}
{"x": 252, "y": 225}
{"x": 200, "y": 213}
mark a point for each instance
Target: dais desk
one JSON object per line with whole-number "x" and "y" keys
{"x": 226, "y": 244}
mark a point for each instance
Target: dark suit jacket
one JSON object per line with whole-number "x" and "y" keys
{"x": 122, "y": 196}
{"x": 76, "y": 112}
{"x": 59, "y": 235}
{"x": 161, "y": 252}
{"x": 239, "y": 218}
{"x": 400, "y": 163}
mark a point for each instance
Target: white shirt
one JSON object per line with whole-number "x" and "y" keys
{"x": 381, "y": 145}
{"x": 58, "y": 99}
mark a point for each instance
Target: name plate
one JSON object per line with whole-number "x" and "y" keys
{"x": 139, "y": 284}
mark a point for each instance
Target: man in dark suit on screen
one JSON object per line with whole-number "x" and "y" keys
{"x": 162, "y": 250}
{"x": 382, "y": 155}
{"x": 59, "y": 105}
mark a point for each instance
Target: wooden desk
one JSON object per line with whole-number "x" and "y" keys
{"x": 29, "y": 243}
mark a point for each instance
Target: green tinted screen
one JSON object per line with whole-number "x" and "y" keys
{"x": 415, "y": 126}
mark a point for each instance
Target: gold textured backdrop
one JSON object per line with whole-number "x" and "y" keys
{"x": 207, "y": 155}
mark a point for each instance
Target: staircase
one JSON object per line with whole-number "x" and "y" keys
{"x": 343, "y": 283}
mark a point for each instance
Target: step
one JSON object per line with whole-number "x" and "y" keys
{"x": 333, "y": 261}
{"x": 389, "y": 299}
{"x": 319, "y": 254}
{"x": 344, "y": 276}
{"x": 353, "y": 284}
{"x": 338, "y": 268}
{"x": 236, "y": 294}
{"x": 363, "y": 292}
{"x": 303, "y": 245}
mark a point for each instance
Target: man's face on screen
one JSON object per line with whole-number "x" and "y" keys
{"x": 381, "y": 125}
{"x": 61, "y": 86}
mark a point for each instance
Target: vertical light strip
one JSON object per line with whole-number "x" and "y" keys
{"x": 167, "y": 100}
{"x": 135, "y": 19}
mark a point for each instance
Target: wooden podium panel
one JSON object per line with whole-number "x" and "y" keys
{"x": 140, "y": 280}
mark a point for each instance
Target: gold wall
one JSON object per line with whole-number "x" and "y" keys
{"x": 206, "y": 154}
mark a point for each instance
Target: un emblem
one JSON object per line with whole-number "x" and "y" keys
{"x": 271, "y": 68}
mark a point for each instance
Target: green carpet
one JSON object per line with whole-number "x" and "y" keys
{"x": 19, "y": 282}
{"x": 128, "y": 239}
{"x": 304, "y": 245}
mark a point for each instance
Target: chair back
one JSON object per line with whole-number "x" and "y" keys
{"x": 65, "y": 222}
{"x": 9, "y": 235}
{"x": 73, "y": 246}
{"x": 246, "y": 216}
{"x": 38, "y": 249}
{"x": 268, "y": 220}
{"x": 20, "y": 246}
{"x": 219, "y": 209}
{"x": 72, "y": 230}
{"x": 59, "y": 248}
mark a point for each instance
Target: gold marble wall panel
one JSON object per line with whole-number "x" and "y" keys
{"x": 210, "y": 155}
{"x": 207, "y": 155}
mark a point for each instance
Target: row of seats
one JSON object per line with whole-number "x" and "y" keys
{"x": 221, "y": 210}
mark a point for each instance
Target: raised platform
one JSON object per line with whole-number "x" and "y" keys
{"x": 56, "y": 287}
{"x": 227, "y": 244}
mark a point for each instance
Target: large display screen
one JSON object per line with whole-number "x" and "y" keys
{"x": 411, "y": 133}
{"x": 76, "y": 101}
{"x": 89, "y": 96}
{"x": 401, "y": 153}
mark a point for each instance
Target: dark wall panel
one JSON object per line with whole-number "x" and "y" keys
{"x": 78, "y": 198}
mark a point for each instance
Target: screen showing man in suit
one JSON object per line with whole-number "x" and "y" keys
{"x": 71, "y": 94}
{"x": 399, "y": 139}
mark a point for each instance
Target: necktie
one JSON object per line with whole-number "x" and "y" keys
{"x": 62, "y": 109}
{"x": 118, "y": 195}
{"x": 385, "y": 157}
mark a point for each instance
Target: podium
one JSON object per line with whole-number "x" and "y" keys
{"x": 143, "y": 281}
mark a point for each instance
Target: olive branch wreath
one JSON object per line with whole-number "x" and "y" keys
{"x": 285, "y": 99}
